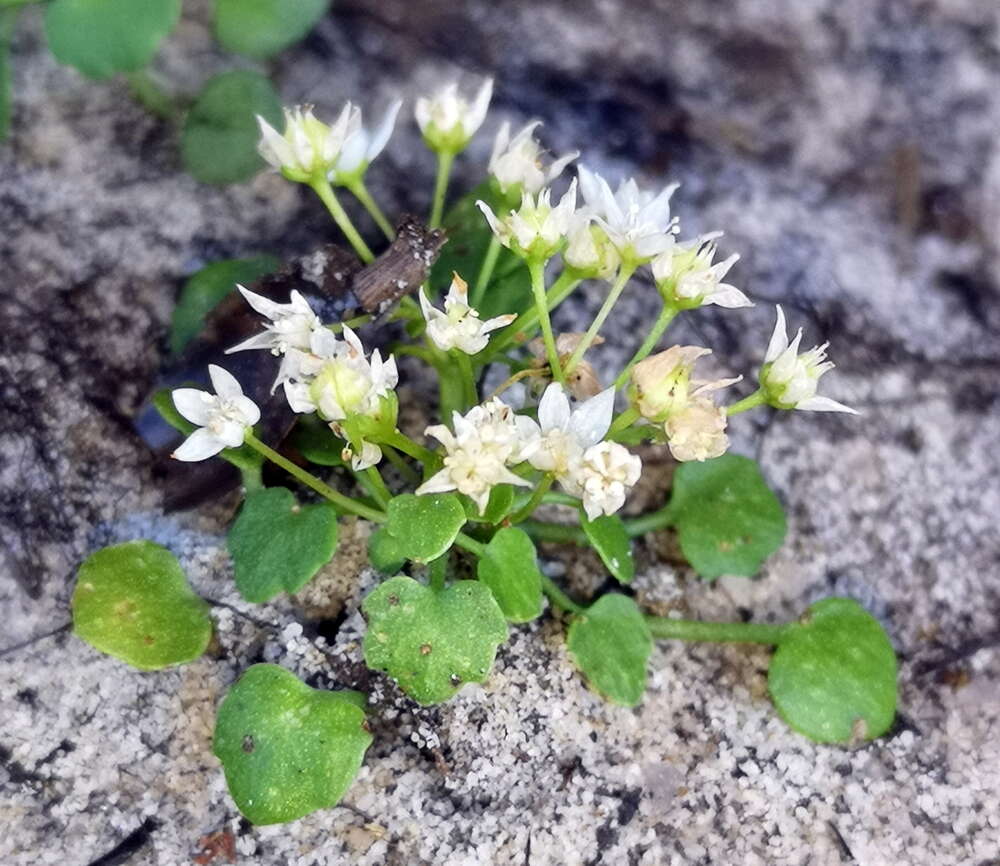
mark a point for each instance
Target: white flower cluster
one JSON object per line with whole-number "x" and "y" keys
{"x": 491, "y": 439}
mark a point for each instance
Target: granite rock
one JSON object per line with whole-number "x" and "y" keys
{"x": 850, "y": 152}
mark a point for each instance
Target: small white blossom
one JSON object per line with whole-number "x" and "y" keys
{"x": 516, "y": 163}
{"x": 336, "y": 380}
{"x": 362, "y": 145}
{"x": 562, "y": 434}
{"x": 369, "y": 455}
{"x": 790, "y": 379}
{"x": 686, "y": 276}
{"x": 663, "y": 384}
{"x": 484, "y": 442}
{"x": 537, "y": 229}
{"x": 459, "y": 326}
{"x": 698, "y": 431}
{"x": 222, "y": 418}
{"x": 308, "y": 148}
{"x": 589, "y": 251}
{"x": 603, "y": 478}
{"x": 447, "y": 120}
{"x": 291, "y": 325}
{"x": 637, "y": 222}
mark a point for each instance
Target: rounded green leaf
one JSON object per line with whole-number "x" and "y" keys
{"x": 833, "y": 676}
{"x": 278, "y": 545}
{"x": 132, "y": 601}
{"x": 103, "y": 37}
{"x": 206, "y": 287}
{"x": 260, "y": 28}
{"x": 509, "y": 567}
{"x": 424, "y": 526}
{"x": 727, "y": 518}
{"x": 288, "y": 749}
{"x": 608, "y": 537}
{"x": 610, "y": 644}
{"x": 432, "y": 642}
{"x": 383, "y": 552}
{"x": 219, "y": 142}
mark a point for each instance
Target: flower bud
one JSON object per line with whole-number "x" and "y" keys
{"x": 448, "y": 121}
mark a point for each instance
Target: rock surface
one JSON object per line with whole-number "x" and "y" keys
{"x": 849, "y": 150}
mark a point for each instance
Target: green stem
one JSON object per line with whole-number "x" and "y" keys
{"x": 624, "y": 421}
{"x": 464, "y": 364}
{"x": 321, "y": 186}
{"x": 558, "y": 597}
{"x": 519, "y": 330}
{"x": 344, "y": 503}
{"x": 560, "y": 533}
{"x": 716, "y": 632}
{"x": 485, "y": 271}
{"x": 437, "y": 571}
{"x": 360, "y": 192}
{"x": 440, "y": 188}
{"x": 537, "y": 270}
{"x": 652, "y": 338}
{"x": 379, "y": 491}
{"x": 757, "y": 398}
{"x": 467, "y": 542}
{"x": 151, "y": 96}
{"x": 624, "y": 274}
{"x": 536, "y": 498}
{"x": 396, "y": 459}
{"x": 401, "y": 442}
{"x": 556, "y": 498}
{"x": 644, "y": 523}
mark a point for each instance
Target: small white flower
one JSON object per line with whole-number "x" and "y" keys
{"x": 447, "y": 120}
{"x": 222, "y": 418}
{"x": 308, "y": 148}
{"x": 589, "y": 251}
{"x": 562, "y": 434}
{"x": 335, "y": 379}
{"x": 686, "y": 276}
{"x": 603, "y": 478}
{"x": 362, "y": 145}
{"x": 459, "y": 326}
{"x": 637, "y": 222}
{"x": 698, "y": 431}
{"x": 663, "y": 384}
{"x": 484, "y": 442}
{"x": 369, "y": 455}
{"x": 790, "y": 379}
{"x": 537, "y": 229}
{"x": 516, "y": 163}
{"x": 291, "y": 325}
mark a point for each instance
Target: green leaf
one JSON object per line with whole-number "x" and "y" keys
{"x": 431, "y": 642}
{"x": 8, "y": 18}
{"x": 104, "y": 37}
{"x": 833, "y": 676}
{"x": 498, "y": 506}
{"x": 608, "y": 537}
{"x": 469, "y": 238}
{"x": 314, "y": 440}
{"x": 206, "y": 288}
{"x": 278, "y": 545}
{"x": 509, "y": 567}
{"x": 610, "y": 644}
{"x": 384, "y": 553}
{"x": 243, "y": 458}
{"x": 288, "y": 749}
{"x": 132, "y": 601}
{"x": 727, "y": 518}
{"x": 219, "y": 142}
{"x": 424, "y": 526}
{"x": 260, "y": 28}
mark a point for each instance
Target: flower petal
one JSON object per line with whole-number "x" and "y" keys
{"x": 224, "y": 382}
{"x": 553, "y": 409}
{"x": 592, "y": 418}
{"x": 200, "y": 445}
{"x": 440, "y": 482}
{"x": 779, "y": 338}
{"x": 729, "y": 297}
{"x": 824, "y": 404}
{"x": 194, "y": 405}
